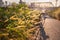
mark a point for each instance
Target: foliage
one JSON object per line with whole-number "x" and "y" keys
{"x": 16, "y": 20}
{"x": 55, "y": 13}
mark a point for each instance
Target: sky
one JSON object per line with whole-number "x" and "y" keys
{"x": 29, "y": 1}
{"x": 12, "y": 1}
{"x": 36, "y": 0}
{"x": 53, "y": 1}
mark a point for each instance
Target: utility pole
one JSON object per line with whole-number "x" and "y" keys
{"x": 20, "y": 1}
{"x": 6, "y": 3}
{"x": 56, "y": 3}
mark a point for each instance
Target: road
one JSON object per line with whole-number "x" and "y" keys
{"x": 49, "y": 29}
{"x": 52, "y": 29}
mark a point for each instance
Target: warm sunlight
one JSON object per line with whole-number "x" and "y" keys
{"x": 29, "y": 19}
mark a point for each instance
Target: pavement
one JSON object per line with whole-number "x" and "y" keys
{"x": 52, "y": 29}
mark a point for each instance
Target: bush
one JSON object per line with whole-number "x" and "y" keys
{"x": 55, "y": 13}
{"x": 17, "y": 19}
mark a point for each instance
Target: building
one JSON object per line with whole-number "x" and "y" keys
{"x": 40, "y": 5}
